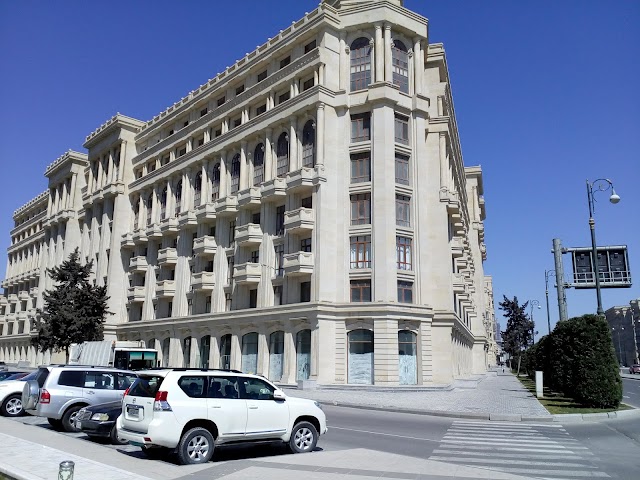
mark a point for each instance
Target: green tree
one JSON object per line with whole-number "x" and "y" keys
{"x": 74, "y": 309}
{"x": 519, "y": 333}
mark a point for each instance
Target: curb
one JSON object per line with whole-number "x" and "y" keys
{"x": 15, "y": 473}
{"x": 497, "y": 417}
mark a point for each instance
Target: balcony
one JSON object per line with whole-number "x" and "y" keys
{"x": 136, "y": 294}
{"x": 12, "y": 298}
{"x": 127, "y": 241}
{"x": 227, "y": 206}
{"x": 153, "y": 231}
{"x": 23, "y": 295}
{"x": 457, "y": 247}
{"x": 206, "y": 212}
{"x": 167, "y": 256}
{"x": 113, "y": 189}
{"x": 169, "y": 225}
{"x": 274, "y": 190}
{"x": 247, "y": 273}
{"x": 458, "y": 282}
{"x": 33, "y": 291}
{"x": 22, "y": 316}
{"x": 249, "y": 235}
{"x": 138, "y": 264}
{"x": 300, "y": 220}
{"x": 304, "y": 179}
{"x": 188, "y": 218}
{"x": 3, "y": 301}
{"x": 451, "y": 199}
{"x": 139, "y": 237}
{"x": 205, "y": 245}
{"x": 203, "y": 281}
{"x": 249, "y": 197}
{"x": 298, "y": 264}
{"x": 165, "y": 288}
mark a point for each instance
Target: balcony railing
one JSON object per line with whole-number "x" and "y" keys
{"x": 247, "y": 273}
{"x": 298, "y": 264}
{"x": 249, "y": 235}
{"x": 205, "y": 245}
{"x": 299, "y": 221}
{"x": 167, "y": 256}
{"x": 203, "y": 281}
{"x": 166, "y": 288}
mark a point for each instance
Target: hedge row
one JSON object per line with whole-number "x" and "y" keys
{"x": 578, "y": 359}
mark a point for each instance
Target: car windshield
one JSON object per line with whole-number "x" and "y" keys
{"x": 16, "y": 376}
{"x": 31, "y": 376}
{"x": 146, "y": 386}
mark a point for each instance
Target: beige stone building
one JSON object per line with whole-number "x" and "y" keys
{"x": 306, "y": 214}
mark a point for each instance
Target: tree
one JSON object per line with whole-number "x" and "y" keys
{"x": 519, "y": 333}
{"x": 74, "y": 310}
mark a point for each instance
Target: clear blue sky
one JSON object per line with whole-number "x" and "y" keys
{"x": 547, "y": 94}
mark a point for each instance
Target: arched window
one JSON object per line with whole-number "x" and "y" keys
{"x": 360, "y": 55}
{"x": 178, "y": 198}
{"x": 303, "y": 354}
{"x": 308, "y": 144}
{"x": 149, "y": 205}
{"x": 215, "y": 182}
{"x": 205, "y": 347}
{"x": 360, "y": 360}
{"x": 407, "y": 358}
{"x": 166, "y": 343}
{"x": 186, "y": 352}
{"x": 276, "y": 355}
{"x": 197, "y": 189}
{"x": 250, "y": 353}
{"x": 400, "y": 65}
{"x": 282, "y": 152}
{"x": 163, "y": 204}
{"x": 225, "y": 352}
{"x": 258, "y": 165}
{"x": 235, "y": 173}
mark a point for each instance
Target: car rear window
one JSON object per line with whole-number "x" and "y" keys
{"x": 146, "y": 386}
{"x": 41, "y": 376}
{"x": 72, "y": 378}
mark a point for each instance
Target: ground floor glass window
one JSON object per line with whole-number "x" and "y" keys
{"x": 303, "y": 355}
{"x": 276, "y": 355}
{"x": 250, "y": 353}
{"x": 407, "y": 358}
{"x": 360, "y": 361}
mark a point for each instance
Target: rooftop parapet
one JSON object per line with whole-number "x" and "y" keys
{"x": 117, "y": 121}
{"x": 41, "y": 198}
{"x": 61, "y": 160}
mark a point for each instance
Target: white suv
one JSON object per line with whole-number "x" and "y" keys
{"x": 190, "y": 411}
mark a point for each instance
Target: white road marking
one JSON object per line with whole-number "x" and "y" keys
{"x": 384, "y": 434}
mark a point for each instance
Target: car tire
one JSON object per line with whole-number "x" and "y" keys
{"x": 304, "y": 438}
{"x": 196, "y": 446}
{"x": 114, "y": 437}
{"x": 12, "y": 406}
{"x": 154, "y": 453}
{"x": 55, "y": 423}
{"x": 69, "y": 417}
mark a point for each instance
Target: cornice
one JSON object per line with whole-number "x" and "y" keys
{"x": 115, "y": 122}
{"x": 69, "y": 155}
{"x": 29, "y": 223}
{"x": 373, "y": 5}
{"x": 26, "y": 242}
{"x": 41, "y": 198}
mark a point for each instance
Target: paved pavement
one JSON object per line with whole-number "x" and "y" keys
{"x": 33, "y": 451}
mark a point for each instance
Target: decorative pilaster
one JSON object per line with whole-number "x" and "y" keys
{"x": 268, "y": 156}
{"x": 379, "y": 54}
{"x": 293, "y": 144}
{"x": 244, "y": 168}
{"x": 417, "y": 68}
{"x": 388, "y": 72}
{"x": 320, "y": 135}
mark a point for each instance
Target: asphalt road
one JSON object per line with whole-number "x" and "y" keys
{"x": 631, "y": 391}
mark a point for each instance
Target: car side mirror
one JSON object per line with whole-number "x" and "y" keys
{"x": 279, "y": 395}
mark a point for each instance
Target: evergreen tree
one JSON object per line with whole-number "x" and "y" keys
{"x": 74, "y": 310}
{"x": 519, "y": 333}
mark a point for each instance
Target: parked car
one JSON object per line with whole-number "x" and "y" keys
{"x": 11, "y": 395}
{"x": 190, "y": 411}
{"x": 100, "y": 421}
{"x": 6, "y": 375}
{"x": 635, "y": 368}
{"x": 60, "y": 391}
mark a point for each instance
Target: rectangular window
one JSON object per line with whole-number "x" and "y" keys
{"x": 360, "y": 290}
{"x": 200, "y": 141}
{"x": 307, "y": 84}
{"x": 181, "y": 151}
{"x": 305, "y": 245}
{"x": 361, "y": 209}
{"x": 204, "y": 111}
{"x": 164, "y": 160}
{"x": 403, "y": 211}
{"x": 227, "y": 302}
{"x": 403, "y": 253}
{"x": 360, "y": 127}
{"x": 221, "y": 101}
{"x": 255, "y": 256}
{"x": 405, "y": 292}
{"x": 237, "y": 122}
{"x": 305, "y": 291}
{"x": 402, "y": 169}
{"x": 151, "y": 166}
{"x": 277, "y": 295}
{"x": 306, "y": 202}
{"x": 139, "y": 173}
{"x": 280, "y": 220}
{"x": 262, "y": 76}
{"x": 361, "y": 251}
{"x": 402, "y": 129}
{"x": 261, "y": 109}
{"x": 170, "y": 309}
{"x": 253, "y": 298}
{"x": 170, "y": 132}
{"x": 285, "y": 61}
{"x": 284, "y": 97}
{"x": 218, "y": 132}
{"x": 309, "y": 46}
{"x": 360, "y": 167}
{"x": 239, "y": 90}
{"x": 255, "y": 218}
{"x": 279, "y": 268}
{"x": 207, "y": 305}
{"x": 185, "y": 123}
{"x": 232, "y": 232}
{"x": 230, "y": 263}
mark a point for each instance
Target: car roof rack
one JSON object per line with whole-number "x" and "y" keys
{"x": 184, "y": 369}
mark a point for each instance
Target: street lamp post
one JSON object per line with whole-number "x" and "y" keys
{"x": 533, "y": 303}
{"x": 619, "y": 329}
{"x": 601, "y": 185}
{"x": 547, "y": 274}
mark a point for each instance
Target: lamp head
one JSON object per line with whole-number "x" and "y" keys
{"x": 614, "y": 198}
{"x": 539, "y": 307}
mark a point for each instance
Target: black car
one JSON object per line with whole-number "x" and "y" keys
{"x": 100, "y": 421}
{"x": 6, "y": 375}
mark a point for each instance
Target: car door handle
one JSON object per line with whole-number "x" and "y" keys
{"x": 253, "y": 407}
{"x": 91, "y": 392}
{"x": 216, "y": 406}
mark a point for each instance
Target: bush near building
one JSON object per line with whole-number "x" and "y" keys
{"x": 578, "y": 359}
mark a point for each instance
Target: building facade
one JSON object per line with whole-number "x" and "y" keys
{"x": 306, "y": 215}
{"x": 624, "y": 323}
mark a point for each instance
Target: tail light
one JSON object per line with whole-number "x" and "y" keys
{"x": 126, "y": 392}
{"x": 161, "y": 404}
{"x": 45, "y": 397}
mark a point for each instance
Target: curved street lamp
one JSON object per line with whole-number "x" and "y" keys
{"x": 599, "y": 185}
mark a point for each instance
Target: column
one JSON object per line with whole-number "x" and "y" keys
{"x": 187, "y": 190}
{"x": 111, "y": 166}
{"x": 388, "y": 74}
{"x": 223, "y": 174}
{"x": 121, "y": 152}
{"x": 141, "y": 213}
{"x": 268, "y": 157}
{"x": 444, "y": 170}
{"x": 204, "y": 184}
{"x": 379, "y": 54}
{"x": 410, "y": 72}
{"x": 244, "y": 168}
{"x": 65, "y": 195}
{"x": 169, "y": 204}
{"x": 320, "y": 135}
{"x": 72, "y": 200}
{"x": 321, "y": 74}
{"x": 90, "y": 184}
{"x": 99, "y": 179}
{"x": 289, "y": 365}
{"x": 417, "y": 67}
{"x": 154, "y": 203}
{"x": 344, "y": 70}
{"x": 293, "y": 145}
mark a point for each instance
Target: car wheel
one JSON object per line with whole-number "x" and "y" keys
{"x": 196, "y": 446}
{"x": 114, "y": 437}
{"x": 304, "y": 438}
{"x": 69, "y": 418}
{"x": 154, "y": 453}
{"x": 55, "y": 423}
{"x": 12, "y": 406}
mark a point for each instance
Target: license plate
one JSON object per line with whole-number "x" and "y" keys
{"x": 78, "y": 425}
{"x": 133, "y": 410}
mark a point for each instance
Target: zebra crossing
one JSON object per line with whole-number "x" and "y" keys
{"x": 532, "y": 450}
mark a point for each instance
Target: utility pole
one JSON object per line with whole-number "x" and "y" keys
{"x": 562, "y": 298}
{"x": 547, "y": 274}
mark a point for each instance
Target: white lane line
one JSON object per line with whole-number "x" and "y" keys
{"x": 384, "y": 434}
{"x": 484, "y": 447}
{"x": 513, "y": 438}
{"x": 506, "y": 440}
{"x": 523, "y": 448}
{"x": 499, "y": 461}
{"x": 563, "y": 473}
{"x": 565, "y": 456}
{"x": 508, "y": 424}
{"x": 504, "y": 434}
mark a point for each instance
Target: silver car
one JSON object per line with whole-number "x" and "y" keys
{"x": 59, "y": 392}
